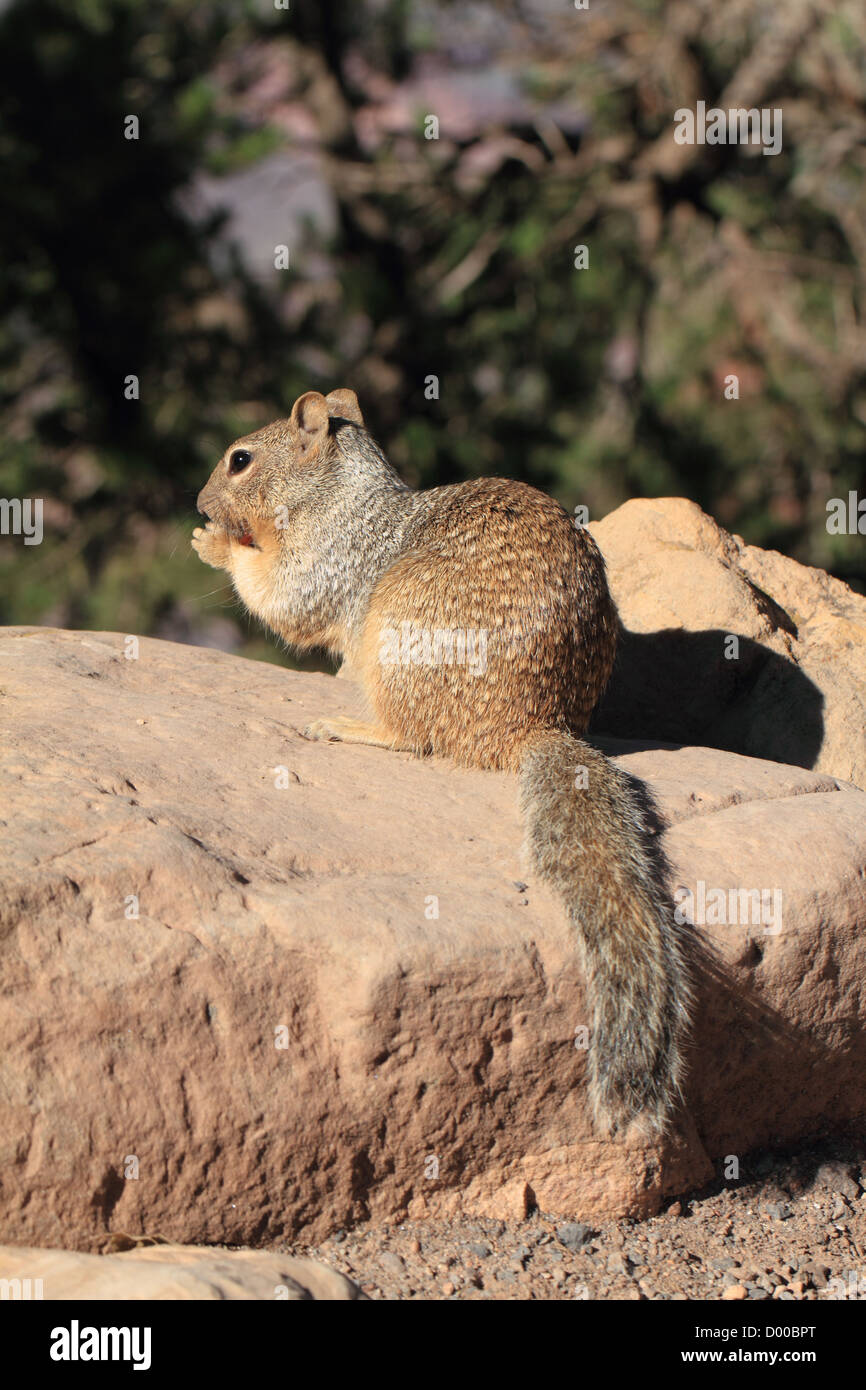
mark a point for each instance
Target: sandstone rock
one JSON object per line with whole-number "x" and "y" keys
{"x": 170, "y": 1272}
{"x": 256, "y": 987}
{"x": 796, "y": 692}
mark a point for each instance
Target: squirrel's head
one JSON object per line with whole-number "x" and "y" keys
{"x": 287, "y": 465}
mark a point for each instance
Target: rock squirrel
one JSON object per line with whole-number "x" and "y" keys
{"x": 477, "y": 620}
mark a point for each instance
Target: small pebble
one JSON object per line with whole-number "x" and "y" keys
{"x": 572, "y": 1234}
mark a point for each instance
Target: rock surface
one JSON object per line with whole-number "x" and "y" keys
{"x": 171, "y": 1272}
{"x": 796, "y": 690}
{"x": 172, "y": 908}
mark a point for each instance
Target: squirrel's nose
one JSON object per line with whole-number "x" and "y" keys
{"x": 201, "y": 503}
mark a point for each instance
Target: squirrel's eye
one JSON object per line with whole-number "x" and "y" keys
{"x": 239, "y": 460}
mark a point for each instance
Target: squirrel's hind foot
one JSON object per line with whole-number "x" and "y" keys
{"x": 344, "y": 730}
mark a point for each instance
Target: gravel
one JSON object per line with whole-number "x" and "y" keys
{"x": 791, "y": 1225}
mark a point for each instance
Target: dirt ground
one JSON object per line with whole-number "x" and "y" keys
{"x": 793, "y": 1227}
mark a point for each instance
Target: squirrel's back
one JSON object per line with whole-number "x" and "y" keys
{"x": 496, "y": 618}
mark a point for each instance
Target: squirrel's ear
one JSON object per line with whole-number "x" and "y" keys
{"x": 343, "y": 404}
{"x": 310, "y": 419}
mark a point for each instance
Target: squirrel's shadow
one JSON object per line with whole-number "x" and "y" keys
{"x": 687, "y": 688}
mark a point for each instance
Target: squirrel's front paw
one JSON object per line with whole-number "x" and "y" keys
{"x": 211, "y": 543}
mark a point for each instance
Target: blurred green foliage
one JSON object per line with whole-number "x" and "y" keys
{"x": 451, "y": 258}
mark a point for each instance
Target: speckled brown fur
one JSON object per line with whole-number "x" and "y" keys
{"x": 478, "y": 622}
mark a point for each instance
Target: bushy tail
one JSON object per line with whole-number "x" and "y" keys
{"x": 586, "y": 835}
